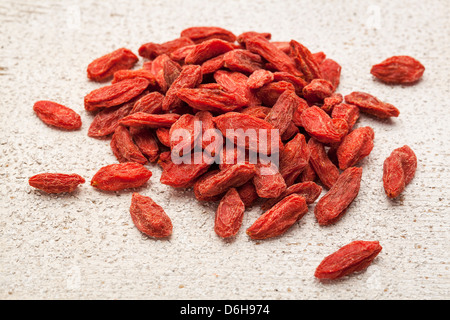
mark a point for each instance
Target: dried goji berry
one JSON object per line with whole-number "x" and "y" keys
{"x": 280, "y": 116}
{"x": 229, "y": 214}
{"x": 398, "y": 170}
{"x": 222, "y": 181}
{"x": 270, "y": 93}
{"x": 124, "y": 148}
{"x": 184, "y": 134}
{"x": 163, "y": 136}
{"x": 131, "y": 74}
{"x": 326, "y": 170}
{"x": 115, "y": 94}
{"x": 207, "y": 50}
{"x": 104, "y": 67}
{"x": 247, "y": 193}
{"x": 330, "y": 102}
{"x": 149, "y": 217}
{"x": 259, "y": 78}
{"x": 317, "y": 90}
{"x": 217, "y": 101}
{"x": 319, "y": 57}
{"x": 260, "y": 112}
{"x": 243, "y": 37}
{"x": 305, "y": 62}
{"x": 280, "y": 60}
{"x": 268, "y": 181}
{"x": 57, "y": 115}
{"x": 107, "y": 120}
{"x": 149, "y": 103}
{"x": 330, "y": 70}
{"x": 353, "y": 257}
{"x": 277, "y": 220}
{"x": 298, "y": 82}
{"x": 293, "y": 158}
{"x": 354, "y": 147}
{"x": 321, "y": 126}
{"x": 142, "y": 119}
{"x": 369, "y": 104}
{"x": 348, "y": 112}
{"x": 335, "y": 202}
{"x": 190, "y": 77}
{"x": 241, "y": 60}
{"x": 152, "y": 50}
{"x": 201, "y": 34}
{"x": 214, "y": 64}
{"x": 115, "y": 177}
{"x": 146, "y": 142}
{"x": 308, "y": 190}
{"x": 56, "y": 182}
{"x": 237, "y": 83}
{"x": 398, "y": 70}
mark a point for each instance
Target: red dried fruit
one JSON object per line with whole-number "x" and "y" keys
{"x": 354, "y": 147}
{"x": 212, "y": 140}
{"x": 124, "y": 148}
{"x": 212, "y": 65}
{"x": 319, "y": 125}
{"x": 207, "y": 50}
{"x": 182, "y": 175}
{"x": 308, "y": 190}
{"x": 152, "y": 50}
{"x": 248, "y": 132}
{"x": 184, "y": 134}
{"x": 190, "y": 77}
{"x": 149, "y": 217}
{"x": 237, "y": 83}
{"x": 270, "y": 93}
{"x": 268, "y": 181}
{"x": 353, "y": 257}
{"x": 107, "y": 120}
{"x": 241, "y": 60}
{"x": 242, "y": 38}
{"x": 398, "y": 70}
{"x": 297, "y": 82}
{"x": 319, "y": 57}
{"x": 308, "y": 174}
{"x": 335, "y": 202}
{"x": 260, "y": 112}
{"x": 142, "y": 119}
{"x": 222, "y": 181}
{"x": 369, "y": 104}
{"x": 293, "y": 158}
{"x": 331, "y": 70}
{"x": 230, "y": 155}
{"x": 149, "y": 103}
{"x": 280, "y": 60}
{"x": 305, "y": 62}
{"x": 283, "y": 46}
{"x": 163, "y": 136}
{"x": 291, "y": 131}
{"x": 217, "y": 101}
{"x": 115, "y": 177}
{"x": 201, "y": 34}
{"x": 146, "y": 142}
{"x": 259, "y": 78}
{"x": 348, "y": 112}
{"x": 115, "y": 94}
{"x": 279, "y": 218}
{"x": 330, "y": 102}
{"x": 56, "y": 182}
{"x": 325, "y": 169}
{"x": 317, "y": 90}
{"x": 171, "y": 71}
{"x": 180, "y": 54}
{"x": 131, "y": 74}
{"x": 57, "y": 115}
{"x": 398, "y": 171}
{"x": 280, "y": 116}
{"x": 247, "y": 193}
{"x": 229, "y": 214}
{"x": 104, "y": 67}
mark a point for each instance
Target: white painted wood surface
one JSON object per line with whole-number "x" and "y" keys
{"x": 84, "y": 245}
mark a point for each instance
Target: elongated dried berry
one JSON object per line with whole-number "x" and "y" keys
{"x": 217, "y": 101}
{"x": 398, "y": 70}
{"x": 323, "y": 167}
{"x": 124, "y": 148}
{"x": 131, "y": 74}
{"x": 353, "y": 257}
{"x": 259, "y": 78}
{"x": 398, "y": 170}
{"x": 56, "y": 182}
{"x": 142, "y": 119}
{"x": 146, "y": 142}
{"x": 369, "y": 104}
{"x": 355, "y": 146}
{"x": 319, "y": 125}
{"x": 229, "y": 214}
{"x": 293, "y": 158}
{"x": 279, "y": 218}
{"x": 268, "y": 181}
{"x": 335, "y": 202}
{"x": 308, "y": 190}
{"x": 57, "y": 115}
{"x": 107, "y": 120}
{"x": 242, "y": 61}
{"x": 201, "y": 34}
{"x": 104, "y": 67}
{"x": 149, "y": 217}
{"x": 317, "y": 90}
{"x": 115, "y": 94}
{"x": 280, "y": 116}
{"x": 149, "y": 103}
{"x": 207, "y": 50}
{"x": 330, "y": 70}
{"x": 152, "y": 50}
{"x": 115, "y": 177}
{"x": 348, "y": 112}
{"x": 305, "y": 61}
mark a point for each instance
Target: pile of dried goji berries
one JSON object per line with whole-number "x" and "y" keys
{"x": 215, "y": 88}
